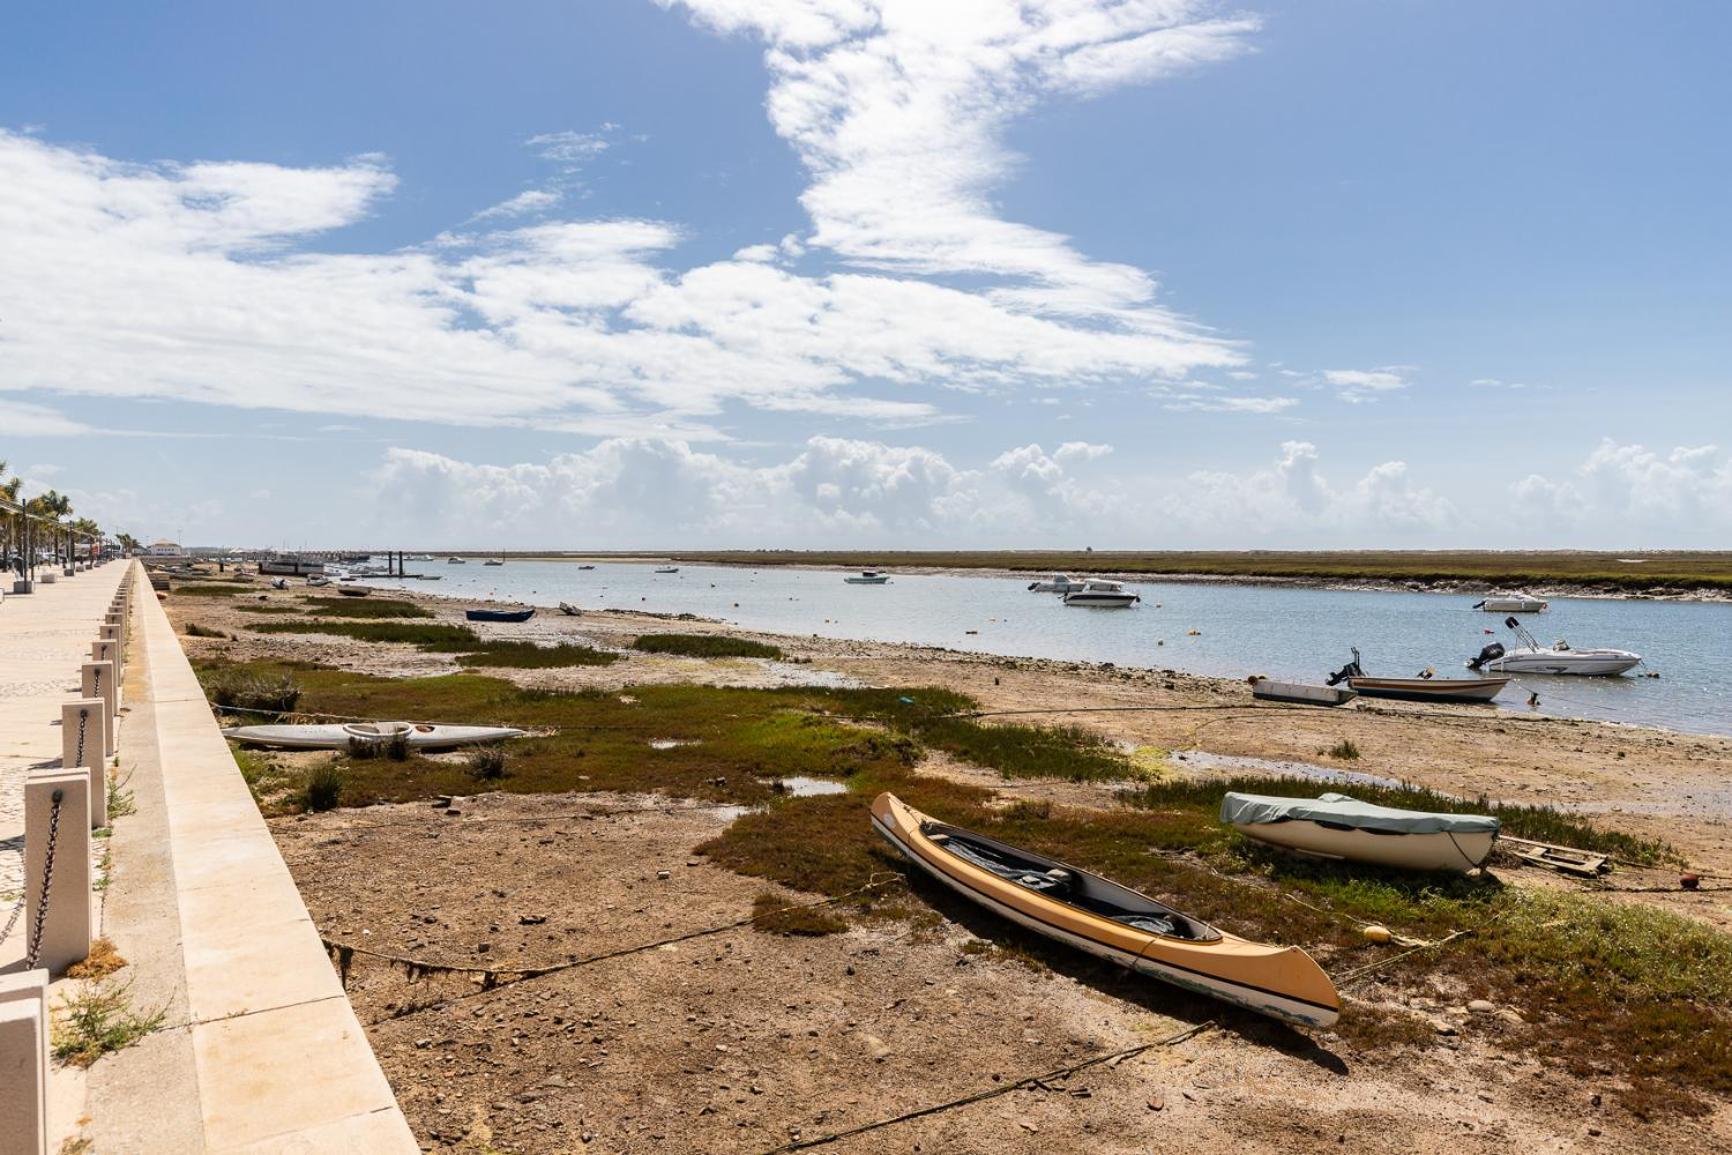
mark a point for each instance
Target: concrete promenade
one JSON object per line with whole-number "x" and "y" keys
{"x": 259, "y": 1050}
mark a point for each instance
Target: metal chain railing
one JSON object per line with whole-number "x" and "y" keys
{"x": 83, "y": 724}
{"x": 35, "y": 946}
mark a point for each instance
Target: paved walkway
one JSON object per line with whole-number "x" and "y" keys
{"x": 44, "y": 638}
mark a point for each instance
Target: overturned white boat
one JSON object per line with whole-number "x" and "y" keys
{"x": 1560, "y": 658}
{"x": 1340, "y": 826}
{"x": 342, "y": 735}
{"x": 1058, "y": 583}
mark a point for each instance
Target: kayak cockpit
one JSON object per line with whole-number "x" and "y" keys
{"x": 1066, "y": 884}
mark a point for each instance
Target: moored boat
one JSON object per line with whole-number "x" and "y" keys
{"x": 1102, "y": 594}
{"x": 868, "y": 577}
{"x": 1339, "y": 826}
{"x": 340, "y": 736}
{"x": 1058, "y": 583}
{"x": 1421, "y": 689}
{"x": 351, "y": 591}
{"x": 1269, "y": 690}
{"x": 668, "y": 569}
{"x": 1559, "y": 658}
{"x": 499, "y": 615}
{"x": 1511, "y": 602}
{"x": 1110, "y": 921}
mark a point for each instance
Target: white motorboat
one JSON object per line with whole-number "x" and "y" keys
{"x": 668, "y": 569}
{"x": 1339, "y": 826}
{"x": 318, "y": 581}
{"x": 456, "y": 561}
{"x": 339, "y": 736}
{"x": 868, "y": 577}
{"x": 1511, "y": 602}
{"x": 1058, "y": 583}
{"x": 1560, "y": 658}
{"x": 1101, "y": 594}
{"x": 494, "y": 561}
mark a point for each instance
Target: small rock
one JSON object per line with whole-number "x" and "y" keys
{"x": 483, "y": 948}
{"x": 1513, "y": 1018}
{"x": 876, "y": 1047}
{"x": 531, "y": 919}
{"x": 664, "y": 875}
{"x": 1482, "y": 1006}
{"x": 1484, "y": 1096}
{"x": 1443, "y": 1028}
{"x": 1157, "y": 1101}
{"x": 1027, "y": 1126}
{"x": 1594, "y": 1132}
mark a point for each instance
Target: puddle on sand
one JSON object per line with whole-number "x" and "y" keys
{"x": 808, "y": 787}
{"x": 788, "y": 674}
{"x": 1239, "y": 764}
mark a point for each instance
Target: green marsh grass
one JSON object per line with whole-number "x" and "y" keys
{"x": 529, "y": 656}
{"x": 212, "y": 589}
{"x": 428, "y": 636}
{"x": 705, "y": 646}
{"x": 342, "y": 607}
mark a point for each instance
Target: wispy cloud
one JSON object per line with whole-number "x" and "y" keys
{"x": 530, "y": 202}
{"x": 1360, "y": 385}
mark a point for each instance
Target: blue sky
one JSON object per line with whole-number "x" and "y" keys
{"x": 822, "y": 272}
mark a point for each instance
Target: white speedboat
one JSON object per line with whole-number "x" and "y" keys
{"x": 1559, "y": 658}
{"x": 1058, "y": 583}
{"x": 1102, "y": 595}
{"x": 1511, "y": 602}
{"x": 339, "y": 736}
{"x": 668, "y": 569}
{"x": 868, "y": 577}
{"x": 1337, "y": 826}
{"x": 493, "y": 561}
{"x": 456, "y": 561}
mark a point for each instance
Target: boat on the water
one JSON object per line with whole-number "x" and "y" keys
{"x": 1269, "y": 690}
{"x": 1421, "y": 689}
{"x": 494, "y": 561}
{"x": 1102, "y": 594}
{"x": 868, "y": 577}
{"x": 1339, "y": 826}
{"x": 585, "y": 567}
{"x": 668, "y": 569}
{"x": 340, "y": 736}
{"x": 1110, "y": 921}
{"x": 1560, "y": 658}
{"x": 499, "y": 615}
{"x": 456, "y": 561}
{"x": 1058, "y": 583}
{"x": 1511, "y": 602}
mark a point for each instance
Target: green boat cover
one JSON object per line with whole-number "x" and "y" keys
{"x": 1341, "y": 810}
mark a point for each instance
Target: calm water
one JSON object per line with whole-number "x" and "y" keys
{"x": 1241, "y": 629}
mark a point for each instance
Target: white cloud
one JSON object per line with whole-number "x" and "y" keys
{"x": 530, "y": 202}
{"x": 1495, "y": 383}
{"x": 1360, "y": 385}
{"x": 1624, "y": 494}
{"x": 572, "y": 149}
{"x": 1182, "y": 404}
{"x": 22, "y": 419}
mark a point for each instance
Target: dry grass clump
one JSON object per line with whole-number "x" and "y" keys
{"x": 773, "y": 914}
{"x": 102, "y": 961}
{"x": 194, "y": 630}
{"x": 243, "y": 689}
{"x": 487, "y": 763}
{"x": 98, "y": 1020}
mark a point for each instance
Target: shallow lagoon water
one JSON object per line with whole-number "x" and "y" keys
{"x": 1283, "y": 631}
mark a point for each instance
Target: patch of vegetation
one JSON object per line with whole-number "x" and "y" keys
{"x": 322, "y": 788}
{"x": 267, "y": 608}
{"x": 243, "y": 689}
{"x": 99, "y": 1020}
{"x": 342, "y": 607}
{"x": 773, "y": 914}
{"x": 102, "y": 961}
{"x": 121, "y": 802}
{"x": 212, "y": 589}
{"x": 529, "y": 656}
{"x": 437, "y": 638}
{"x": 194, "y": 630}
{"x": 1346, "y": 750}
{"x": 705, "y": 646}
{"x": 265, "y": 779}
{"x": 487, "y": 763}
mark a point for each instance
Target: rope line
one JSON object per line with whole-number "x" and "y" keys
{"x": 992, "y": 1092}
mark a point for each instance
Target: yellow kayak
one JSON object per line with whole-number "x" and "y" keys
{"x": 1111, "y": 921}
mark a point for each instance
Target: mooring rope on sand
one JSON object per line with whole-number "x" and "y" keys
{"x": 994, "y": 1092}
{"x": 490, "y": 976}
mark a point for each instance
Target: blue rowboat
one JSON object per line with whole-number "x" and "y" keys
{"x": 499, "y": 615}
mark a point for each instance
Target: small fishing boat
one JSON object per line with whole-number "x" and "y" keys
{"x": 1339, "y": 826}
{"x": 340, "y": 736}
{"x": 1058, "y": 583}
{"x": 499, "y": 615}
{"x": 1421, "y": 689}
{"x": 280, "y": 583}
{"x": 456, "y": 561}
{"x": 569, "y": 610}
{"x": 354, "y": 591}
{"x": 318, "y": 581}
{"x": 668, "y": 569}
{"x": 1101, "y": 594}
{"x": 1110, "y": 921}
{"x": 585, "y": 567}
{"x": 1560, "y": 658}
{"x": 494, "y": 561}
{"x": 868, "y": 577}
{"x": 1511, "y": 602}
{"x": 1269, "y": 690}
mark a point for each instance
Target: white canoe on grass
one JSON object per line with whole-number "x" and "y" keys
{"x": 338, "y": 736}
{"x": 1338, "y": 826}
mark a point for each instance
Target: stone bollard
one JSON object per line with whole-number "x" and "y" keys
{"x": 105, "y": 652}
{"x": 24, "y": 1019}
{"x": 98, "y": 682}
{"x": 63, "y": 906}
{"x": 81, "y": 747}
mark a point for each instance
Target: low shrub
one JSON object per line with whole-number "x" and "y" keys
{"x": 487, "y": 763}
{"x": 705, "y": 646}
{"x": 241, "y": 690}
{"x": 194, "y": 630}
{"x": 323, "y": 788}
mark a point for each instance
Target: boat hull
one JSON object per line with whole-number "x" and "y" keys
{"x": 1444, "y": 850}
{"x": 1583, "y": 663}
{"x": 338, "y": 736}
{"x": 1270, "y": 690}
{"x": 1430, "y": 689}
{"x": 1281, "y": 982}
{"x": 498, "y": 615}
{"x": 1102, "y": 601}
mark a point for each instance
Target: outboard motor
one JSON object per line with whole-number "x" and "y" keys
{"x": 1490, "y": 654}
{"x": 1350, "y": 670}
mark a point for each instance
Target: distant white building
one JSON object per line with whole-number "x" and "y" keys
{"x": 162, "y": 549}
